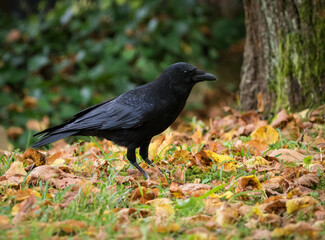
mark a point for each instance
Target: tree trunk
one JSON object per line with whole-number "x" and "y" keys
{"x": 284, "y": 57}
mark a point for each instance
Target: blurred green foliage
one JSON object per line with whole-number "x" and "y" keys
{"x": 82, "y": 52}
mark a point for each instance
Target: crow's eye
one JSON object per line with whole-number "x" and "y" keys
{"x": 185, "y": 71}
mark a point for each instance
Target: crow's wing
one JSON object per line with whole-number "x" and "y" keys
{"x": 129, "y": 110}
{"x": 114, "y": 114}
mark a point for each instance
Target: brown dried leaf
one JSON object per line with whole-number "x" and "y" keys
{"x": 281, "y": 118}
{"x": 287, "y": 155}
{"x": 144, "y": 194}
{"x": 277, "y": 186}
{"x": 193, "y": 189}
{"x": 181, "y": 157}
{"x": 255, "y": 147}
{"x": 36, "y": 156}
{"x": 54, "y": 176}
{"x": 308, "y": 180}
{"x": 14, "y": 176}
{"x": 277, "y": 206}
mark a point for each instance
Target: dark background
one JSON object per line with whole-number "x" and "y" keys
{"x": 58, "y": 57}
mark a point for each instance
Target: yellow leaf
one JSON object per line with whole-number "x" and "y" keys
{"x": 163, "y": 206}
{"x": 258, "y": 160}
{"x": 15, "y": 209}
{"x": 226, "y": 195}
{"x": 265, "y": 134}
{"x": 299, "y": 203}
{"x": 228, "y": 162}
{"x": 160, "y": 202}
{"x": 301, "y": 228}
{"x": 59, "y": 161}
{"x": 248, "y": 181}
{"x": 90, "y": 145}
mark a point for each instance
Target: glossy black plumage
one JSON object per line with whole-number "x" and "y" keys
{"x": 134, "y": 117}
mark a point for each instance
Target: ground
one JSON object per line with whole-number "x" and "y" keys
{"x": 237, "y": 177}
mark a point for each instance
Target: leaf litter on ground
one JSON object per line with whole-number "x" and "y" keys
{"x": 239, "y": 177}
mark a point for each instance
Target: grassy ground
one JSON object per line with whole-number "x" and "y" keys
{"x": 238, "y": 178}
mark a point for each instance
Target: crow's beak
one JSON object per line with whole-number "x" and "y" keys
{"x": 203, "y": 76}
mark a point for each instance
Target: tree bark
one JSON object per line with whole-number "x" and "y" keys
{"x": 284, "y": 56}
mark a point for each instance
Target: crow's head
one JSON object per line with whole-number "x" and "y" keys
{"x": 188, "y": 74}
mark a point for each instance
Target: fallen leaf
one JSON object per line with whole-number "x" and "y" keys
{"x": 287, "y": 155}
{"x": 160, "y": 202}
{"x": 54, "y": 176}
{"x": 278, "y": 206}
{"x": 308, "y": 180}
{"x": 181, "y": 157}
{"x": 25, "y": 193}
{"x": 14, "y": 176}
{"x": 144, "y": 194}
{"x": 301, "y": 228}
{"x": 255, "y": 146}
{"x": 227, "y": 214}
{"x": 36, "y": 156}
{"x": 266, "y": 134}
{"x": 208, "y": 158}
{"x": 248, "y": 183}
{"x": 281, "y": 118}
{"x": 295, "y": 204}
{"x": 194, "y": 189}
{"x": 257, "y": 161}
{"x": 277, "y": 186}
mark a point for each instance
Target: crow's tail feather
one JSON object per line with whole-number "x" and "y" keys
{"x": 50, "y": 137}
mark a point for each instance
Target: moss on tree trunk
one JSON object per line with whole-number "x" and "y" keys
{"x": 284, "y": 56}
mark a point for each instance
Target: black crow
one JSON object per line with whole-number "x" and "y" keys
{"x": 133, "y": 118}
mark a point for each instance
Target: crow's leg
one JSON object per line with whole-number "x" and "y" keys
{"x": 133, "y": 160}
{"x": 144, "y": 154}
